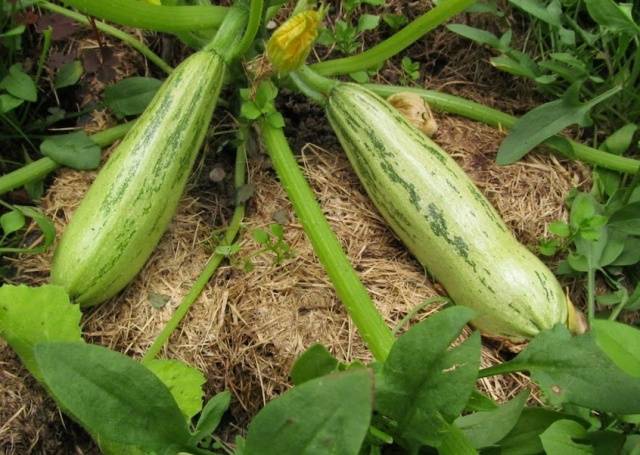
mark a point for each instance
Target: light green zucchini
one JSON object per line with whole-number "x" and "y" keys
{"x": 130, "y": 204}
{"x": 444, "y": 220}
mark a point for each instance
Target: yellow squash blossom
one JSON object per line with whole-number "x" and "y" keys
{"x": 291, "y": 43}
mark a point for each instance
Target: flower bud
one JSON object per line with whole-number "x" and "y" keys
{"x": 291, "y": 43}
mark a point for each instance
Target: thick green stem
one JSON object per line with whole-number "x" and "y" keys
{"x": 140, "y": 14}
{"x": 39, "y": 169}
{"x": 378, "y": 54}
{"x": 253, "y": 25}
{"x": 214, "y": 261}
{"x": 348, "y": 286}
{"x": 315, "y": 81}
{"x": 108, "y": 29}
{"x": 476, "y": 111}
{"x": 225, "y": 43}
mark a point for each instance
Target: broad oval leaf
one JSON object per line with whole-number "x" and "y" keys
{"x": 424, "y": 380}
{"x": 183, "y": 381}
{"x": 29, "y": 316}
{"x": 616, "y": 17}
{"x": 545, "y": 121}
{"x": 68, "y": 75}
{"x": 330, "y": 414}
{"x": 75, "y": 150}
{"x": 19, "y": 84}
{"x": 620, "y": 342}
{"x": 131, "y": 96}
{"x": 627, "y": 219}
{"x": 524, "y": 438}
{"x": 486, "y": 428}
{"x": 559, "y": 439}
{"x": 574, "y": 370}
{"x": 313, "y": 363}
{"x": 114, "y": 397}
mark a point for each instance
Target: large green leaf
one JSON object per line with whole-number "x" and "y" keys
{"x": 524, "y": 438}
{"x": 559, "y": 439}
{"x": 545, "y": 121}
{"x": 616, "y": 17}
{"x": 131, "y": 96}
{"x": 19, "y": 84}
{"x": 329, "y": 414}
{"x": 29, "y": 316}
{"x": 423, "y": 379}
{"x": 313, "y": 363}
{"x": 75, "y": 150}
{"x": 575, "y": 370}
{"x": 486, "y": 428}
{"x": 183, "y": 381}
{"x": 114, "y": 397}
{"x": 621, "y": 343}
{"x": 627, "y": 219}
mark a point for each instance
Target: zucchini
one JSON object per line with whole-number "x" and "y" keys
{"x": 444, "y": 220}
{"x": 132, "y": 200}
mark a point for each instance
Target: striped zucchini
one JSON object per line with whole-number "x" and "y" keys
{"x": 444, "y": 220}
{"x": 130, "y": 204}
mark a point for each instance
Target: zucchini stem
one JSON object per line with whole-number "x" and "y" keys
{"x": 317, "y": 83}
{"x": 110, "y": 30}
{"x": 39, "y": 169}
{"x": 253, "y": 26}
{"x": 493, "y": 117}
{"x": 348, "y": 286}
{"x": 214, "y": 261}
{"x": 140, "y": 14}
{"x": 396, "y": 43}
{"x": 226, "y": 40}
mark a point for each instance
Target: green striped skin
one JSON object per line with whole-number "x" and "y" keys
{"x": 129, "y": 206}
{"x": 444, "y": 220}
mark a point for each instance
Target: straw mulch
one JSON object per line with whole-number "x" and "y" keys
{"x": 248, "y": 327}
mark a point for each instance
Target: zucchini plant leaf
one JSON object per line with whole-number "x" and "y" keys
{"x": 183, "y": 381}
{"x": 313, "y": 363}
{"x": 620, "y": 342}
{"x": 524, "y": 438}
{"x": 131, "y": 96}
{"x": 29, "y": 316}
{"x": 484, "y": 429}
{"x": 75, "y": 150}
{"x": 211, "y": 416}
{"x": 545, "y": 121}
{"x": 111, "y": 395}
{"x": 574, "y": 370}
{"x": 424, "y": 380}
{"x": 560, "y": 437}
{"x": 342, "y": 406}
